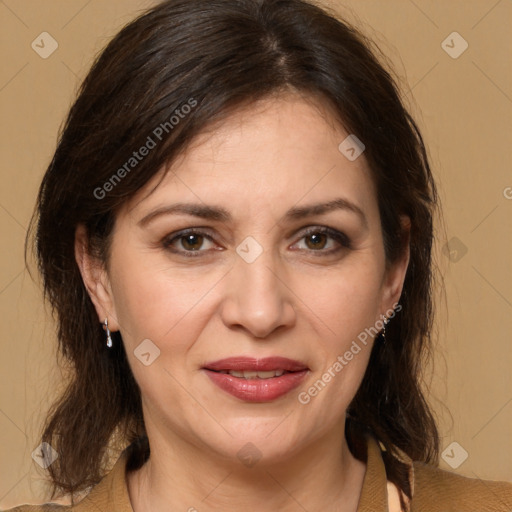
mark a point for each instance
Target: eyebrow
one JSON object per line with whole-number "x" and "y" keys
{"x": 220, "y": 214}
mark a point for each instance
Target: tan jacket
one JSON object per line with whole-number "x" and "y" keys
{"x": 434, "y": 490}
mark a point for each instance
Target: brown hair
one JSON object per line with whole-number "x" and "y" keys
{"x": 217, "y": 56}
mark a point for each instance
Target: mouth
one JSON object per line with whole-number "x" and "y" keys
{"x": 248, "y": 374}
{"x": 256, "y": 380}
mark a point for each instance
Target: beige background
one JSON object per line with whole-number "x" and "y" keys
{"x": 464, "y": 108}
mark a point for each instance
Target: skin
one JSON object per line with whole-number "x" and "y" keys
{"x": 295, "y": 300}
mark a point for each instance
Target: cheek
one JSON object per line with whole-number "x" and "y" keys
{"x": 345, "y": 309}
{"x": 345, "y": 301}
{"x": 154, "y": 302}
{"x": 167, "y": 307}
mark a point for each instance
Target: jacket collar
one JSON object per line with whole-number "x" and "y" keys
{"x": 374, "y": 492}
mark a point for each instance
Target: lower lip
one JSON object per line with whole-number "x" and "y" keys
{"x": 257, "y": 390}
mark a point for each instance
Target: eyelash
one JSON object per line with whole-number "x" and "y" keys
{"x": 336, "y": 235}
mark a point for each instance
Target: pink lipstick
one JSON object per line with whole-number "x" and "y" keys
{"x": 256, "y": 380}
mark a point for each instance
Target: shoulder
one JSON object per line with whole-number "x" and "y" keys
{"x": 47, "y": 507}
{"x": 437, "y": 490}
{"x": 109, "y": 494}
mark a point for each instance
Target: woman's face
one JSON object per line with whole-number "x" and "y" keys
{"x": 255, "y": 278}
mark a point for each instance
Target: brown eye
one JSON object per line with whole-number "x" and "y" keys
{"x": 318, "y": 240}
{"x": 323, "y": 240}
{"x": 188, "y": 243}
{"x": 192, "y": 242}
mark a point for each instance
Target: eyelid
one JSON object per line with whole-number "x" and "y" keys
{"x": 168, "y": 240}
{"x": 337, "y": 235}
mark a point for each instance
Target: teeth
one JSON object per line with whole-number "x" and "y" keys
{"x": 253, "y": 375}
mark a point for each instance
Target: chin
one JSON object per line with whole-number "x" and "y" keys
{"x": 262, "y": 441}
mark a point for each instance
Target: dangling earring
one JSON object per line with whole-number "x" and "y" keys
{"x": 107, "y": 330}
{"x": 383, "y": 332}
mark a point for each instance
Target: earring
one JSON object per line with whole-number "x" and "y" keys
{"x": 107, "y": 330}
{"x": 383, "y": 332}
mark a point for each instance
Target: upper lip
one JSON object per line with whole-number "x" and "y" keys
{"x": 241, "y": 363}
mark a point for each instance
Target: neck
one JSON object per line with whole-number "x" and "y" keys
{"x": 324, "y": 476}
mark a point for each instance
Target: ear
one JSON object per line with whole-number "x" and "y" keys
{"x": 395, "y": 273}
{"x": 95, "y": 278}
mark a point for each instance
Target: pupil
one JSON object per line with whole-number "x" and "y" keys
{"x": 189, "y": 241}
{"x": 317, "y": 239}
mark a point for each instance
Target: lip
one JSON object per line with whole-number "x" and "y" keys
{"x": 256, "y": 390}
{"x": 241, "y": 363}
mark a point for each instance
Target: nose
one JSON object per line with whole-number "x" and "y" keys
{"x": 258, "y": 297}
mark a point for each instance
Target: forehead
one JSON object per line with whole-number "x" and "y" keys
{"x": 276, "y": 152}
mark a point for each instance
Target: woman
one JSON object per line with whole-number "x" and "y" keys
{"x": 235, "y": 232}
